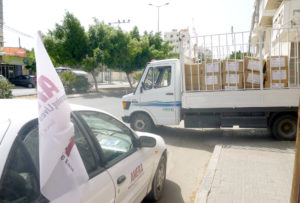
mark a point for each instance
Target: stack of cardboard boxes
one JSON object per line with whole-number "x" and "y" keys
{"x": 252, "y": 72}
{"x": 277, "y": 72}
{"x": 210, "y": 76}
{"x": 192, "y": 76}
{"x": 230, "y": 74}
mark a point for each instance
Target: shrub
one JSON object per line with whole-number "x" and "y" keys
{"x": 5, "y": 89}
{"x": 81, "y": 84}
{"x": 68, "y": 79}
{"x": 75, "y": 82}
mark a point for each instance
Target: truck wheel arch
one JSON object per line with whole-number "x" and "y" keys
{"x": 276, "y": 115}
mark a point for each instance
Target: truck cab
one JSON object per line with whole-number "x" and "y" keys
{"x": 157, "y": 97}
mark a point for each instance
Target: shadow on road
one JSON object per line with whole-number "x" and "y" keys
{"x": 206, "y": 139}
{"x": 170, "y": 188}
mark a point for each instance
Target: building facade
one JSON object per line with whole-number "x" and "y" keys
{"x": 275, "y": 31}
{"x": 277, "y": 23}
{"x": 12, "y": 62}
{"x": 173, "y": 38}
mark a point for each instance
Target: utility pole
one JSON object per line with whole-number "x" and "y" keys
{"x": 1, "y": 33}
{"x": 1, "y": 23}
{"x": 158, "y": 7}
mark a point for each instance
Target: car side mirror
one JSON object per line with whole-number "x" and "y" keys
{"x": 142, "y": 87}
{"x": 146, "y": 141}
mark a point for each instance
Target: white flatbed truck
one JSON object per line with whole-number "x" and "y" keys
{"x": 163, "y": 98}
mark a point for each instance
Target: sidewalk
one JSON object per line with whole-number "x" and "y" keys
{"x": 248, "y": 174}
{"x": 23, "y": 91}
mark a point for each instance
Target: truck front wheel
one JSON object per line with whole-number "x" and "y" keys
{"x": 141, "y": 122}
{"x": 285, "y": 127}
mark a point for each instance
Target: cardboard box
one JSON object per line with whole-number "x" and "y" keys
{"x": 192, "y": 83}
{"x": 252, "y": 64}
{"x": 277, "y": 72}
{"x": 232, "y": 66}
{"x": 232, "y": 81}
{"x": 192, "y": 75}
{"x": 211, "y": 67}
{"x": 252, "y": 79}
{"x": 194, "y": 69}
{"x": 210, "y": 81}
{"x": 211, "y": 76}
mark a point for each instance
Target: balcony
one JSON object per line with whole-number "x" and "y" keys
{"x": 267, "y": 9}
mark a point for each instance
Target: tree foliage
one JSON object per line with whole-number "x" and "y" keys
{"x": 29, "y": 61}
{"x": 103, "y": 46}
{"x": 68, "y": 43}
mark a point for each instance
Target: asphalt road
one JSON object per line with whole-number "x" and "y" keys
{"x": 189, "y": 150}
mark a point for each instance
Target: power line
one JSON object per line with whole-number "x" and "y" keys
{"x": 16, "y": 31}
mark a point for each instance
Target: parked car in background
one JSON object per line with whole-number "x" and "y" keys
{"x": 60, "y": 70}
{"x": 80, "y": 83}
{"x": 24, "y": 80}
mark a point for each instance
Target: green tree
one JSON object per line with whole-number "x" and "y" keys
{"x": 68, "y": 43}
{"x": 99, "y": 49}
{"x": 132, "y": 52}
{"x": 238, "y": 55}
{"x": 124, "y": 52}
{"x": 29, "y": 61}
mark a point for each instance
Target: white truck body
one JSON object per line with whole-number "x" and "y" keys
{"x": 163, "y": 98}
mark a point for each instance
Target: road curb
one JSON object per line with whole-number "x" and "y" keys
{"x": 203, "y": 192}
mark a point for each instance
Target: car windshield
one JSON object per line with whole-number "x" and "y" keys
{"x": 4, "y": 124}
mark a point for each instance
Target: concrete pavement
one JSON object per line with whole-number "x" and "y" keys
{"x": 248, "y": 174}
{"x": 23, "y": 91}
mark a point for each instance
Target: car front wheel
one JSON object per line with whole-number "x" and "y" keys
{"x": 159, "y": 180}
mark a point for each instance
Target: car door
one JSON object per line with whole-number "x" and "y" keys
{"x": 129, "y": 166}
{"x": 158, "y": 95}
{"x": 100, "y": 186}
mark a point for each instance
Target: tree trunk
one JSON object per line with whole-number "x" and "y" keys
{"x": 127, "y": 74}
{"x": 95, "y": 80}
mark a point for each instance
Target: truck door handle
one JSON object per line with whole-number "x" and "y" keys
{"x": 121, "y": 179}
{"x": 169, "y": 93}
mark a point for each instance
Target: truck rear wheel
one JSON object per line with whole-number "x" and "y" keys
{"x": 141, "y": 122}
{"x": 285, "y": 127}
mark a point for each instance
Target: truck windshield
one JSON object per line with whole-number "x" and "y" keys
{"x": 139, "y": 80}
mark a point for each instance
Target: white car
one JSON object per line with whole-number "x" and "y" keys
{"x": 123, "y": 165}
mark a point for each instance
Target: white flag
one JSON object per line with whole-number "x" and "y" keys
{"x": 61, "y": 168}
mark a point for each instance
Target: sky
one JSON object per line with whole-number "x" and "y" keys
{"x": 206, "y": 16}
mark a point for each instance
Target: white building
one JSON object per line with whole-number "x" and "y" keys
{"x": 277, "y": 22}
{"x": 275, "y": 30}
{"x": 173, "y": 38}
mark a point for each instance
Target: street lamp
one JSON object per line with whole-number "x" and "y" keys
{"x": 158, "y": 7}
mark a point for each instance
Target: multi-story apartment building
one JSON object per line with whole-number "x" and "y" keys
{"x": 277, "y": 22}
{"x": 173, "y": 38}
{"x": 275, "y": 31}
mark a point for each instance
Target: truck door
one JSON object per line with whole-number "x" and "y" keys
{"x": 158, "y": 95}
